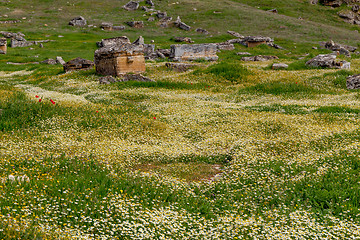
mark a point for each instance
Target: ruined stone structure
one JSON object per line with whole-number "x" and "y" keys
{"x": 328, "y": 61}
{"x": 190, "y": 52}
{"x": 253, "y": 41}
{"x": 3, "y": 45}
{"x": 113, "y": 41}
{"x": 116, "y": 60}
{"x": 78, "y": 64}
{"x": 353, "y": 82}
{"x": 78, "y": 22}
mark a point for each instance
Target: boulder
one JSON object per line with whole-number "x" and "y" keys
{"x": 78, "y": 22}
{"x": 136, "y": 24}
{"x": 353, "y": 82}
{"x": 336, "y": 46}
{"x": 202, "y": 31}
{"x": 106, "y": 26}
{"x": 253, "y": 41}
{"x": 178, "y": 23}
{"x": 179, "y": 67}
{"x": 131, "y": 6}
{"x": 327, "y": 61}
{"x": 277, "y": 66}
{"x": 191, "y": 52}
{"x": 78, "y": 64}
{"x": 161, "y": 15}
{"x": 259, "y": 58}
{"x": 113, "y": 41}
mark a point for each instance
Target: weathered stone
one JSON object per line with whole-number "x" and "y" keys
{"x": 190, "y": 52}
{"x": 236, "y": 40}
{"x": 203, "y": 31}
{"x": 165, "y": 52}
{"x": 131, "y": 6}
{"x": 151, "y": 19}
{"x": 353, "y": 82}
{"x": 136, "y": 24}
{"x": 107, "y": 80}
{"x": 139, "y": 41}
{"x": 253, "y": 41}
{"x": 225, "y": 46}
{"x": 164, "y": 24}
{"x": 235, "y": 34}
{"x": 12, "y": 63}
{"x": 327, "y": 61}
{"x": 150, "y": 2}
{"x": 49, "y": 61}
{"x": 348, "y": 16}
{"x": 135, "y": 77}
{"x": 332, "y": 3}
{"x": 3, "y": 45}
{"x": 78, "y": 22}
{"x": 106, "y": 26}
{"x": 336, "y": 46}
{"x": 279, "y": 66}
{"x": 18, "y": 36}
{"x": 183, "y": 39}
{"x": 78, "y": 64}
{"x": 273, "y": 10}
{"x": 149, "y": 51}
{"x": 313, "y": 2}
{"x": 166, "y": 19}
{"x": 118, "y": 28}
{"x": 160, "y": 14}
{"x": 113, "y": 41}
{"x": 16, "y": 43}
{"x": 345, "y": 52}
{"x": 179, "y": 67}
{"x": 243, "y": 53}
{"x": 118, "y": 59}
{"x": 60, "y": 60}
{"x": 259, "y": 58}
{"x": 178, "y": 23}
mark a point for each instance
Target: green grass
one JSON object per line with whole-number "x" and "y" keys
{"x": 280, "y": 88}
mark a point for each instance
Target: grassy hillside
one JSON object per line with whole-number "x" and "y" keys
{"x": 228, "y": 150}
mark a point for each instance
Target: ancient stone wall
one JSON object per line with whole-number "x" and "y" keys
{"x": 190, "y": 52}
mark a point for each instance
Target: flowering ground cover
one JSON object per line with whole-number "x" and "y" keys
{"x": 262, "y": 154}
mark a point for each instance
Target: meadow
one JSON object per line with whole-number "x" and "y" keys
{"x": 228, "y": 150}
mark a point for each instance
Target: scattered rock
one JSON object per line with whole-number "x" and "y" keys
{"x": 314, "y": 2}
{"x": 327, "y": 61}
{"x": 178, "y": 23}
{"x": 41, "y": 45}
{"x": 183, "y": 39}
{"x": 131, "y": 6}
{"x": 49, "y": 61}
{"x": 225, "y": 46}
{"x": 118, "y": 59}
{"x": 78, "y": 22}
{"x": 135, "y": 77}
{"x": 273, "y": 10}
{"x": 336, "y": 46}
{"x": 253, "y": 41}
{"x": 60, "y": 60}
{"x": 259, "y": 58}
{"x": 139, "y": 41}
{"x": 164, "y": 25}
{"x": 203, "y": 31}
{"x": 150, "y": 2}
{"x": 235, "y": 34}
{"x": 179, "y": 67}
{"x": 279, "y": 66}
{"x": 107, "y": 80}
{"x": 18, "y": 36}
{"x": 113, "y": 41}
{"x": 353, "y": 82}
{"x": 243, "y": 53}
{"x": 78, "y": 64}
{"x": 118, "y": 28}
{"x": 16, "y": 43}
{"x": 165, "y": 52}
{"x": 136, "y": 24}
{"x": 106, "y": 26}
{"x": 161, "y": 15}
{"x": 12, "y": 63}
{"x": 3, "y": 45}
{"x": 355, "y": 8}
{"x": 314, "y": 48}
{"x": 191, "y": 52}
{"x": 151, "y": 19}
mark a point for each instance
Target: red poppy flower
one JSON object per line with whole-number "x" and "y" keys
{"x": 52, "y": 101}
{"x": 40, "y": 100}
{"x": 154, "y": 117}
{"x": 37, "y": 96}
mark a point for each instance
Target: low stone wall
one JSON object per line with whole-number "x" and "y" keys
{"x": 191, "y": 52}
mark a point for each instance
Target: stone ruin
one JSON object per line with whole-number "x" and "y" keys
{"x": 110, "y": 27}
{"x": 191, "y": 52}
{"x": 3, "y": 45}
{"x": 327, "y": 61}
{"x": 78, "y": 22}
{"x": 78, "y": 64}
{"x": 253, "y": 41}
{"x": 259, "y": 58}
{"x": 136, "y": 24}
{"x": 113, "y": 41}
{"x": 115, "y": 60}
{"x": 336, "y": 47}
{"x": 131, "y": 6}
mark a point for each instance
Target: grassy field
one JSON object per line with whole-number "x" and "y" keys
{"x": 229, "y": 150}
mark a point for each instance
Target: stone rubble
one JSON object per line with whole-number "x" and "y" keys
{"x": 78, "y": 64}
{"x": 131, "y": 6}
{"x": 353, "y": 82}
{"x": 78, "y": 22}
{"x": 328, "y": 61}
{"x": 259, "y": 58}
